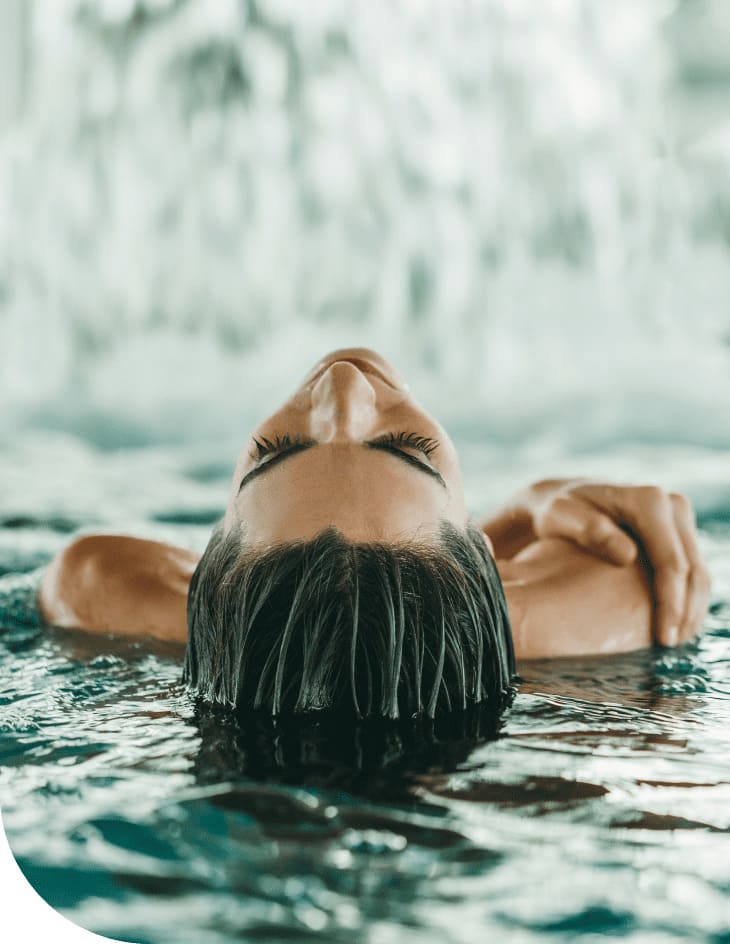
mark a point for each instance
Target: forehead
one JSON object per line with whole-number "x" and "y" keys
{"x": 365, "y": 494}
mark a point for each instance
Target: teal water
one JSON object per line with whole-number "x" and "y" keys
{"x": 525, "y": 207}
{"x": 602, "y": 812}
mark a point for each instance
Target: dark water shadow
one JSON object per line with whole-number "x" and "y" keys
{"x": 377, "y": 759}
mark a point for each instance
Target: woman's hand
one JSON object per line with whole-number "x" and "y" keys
{"x": 616, "y": 523}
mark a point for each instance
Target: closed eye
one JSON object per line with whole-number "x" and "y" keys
{"x": 412, "y": 440}
{"x": 264, "y": 447}
{"x": 282, "y": 448}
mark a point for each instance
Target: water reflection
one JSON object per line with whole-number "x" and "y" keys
{"x": 140, "y": 813}
{"x": 378, "y": 759}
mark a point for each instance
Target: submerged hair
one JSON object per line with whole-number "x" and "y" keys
{"x": 370, "y": 630}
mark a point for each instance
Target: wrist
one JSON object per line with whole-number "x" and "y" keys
{"x": 510, "y": 529}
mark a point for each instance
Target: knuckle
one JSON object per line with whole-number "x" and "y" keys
{"x": 562, "y": 503}
{"x": 547, "y": 485}
{"x": 702, "y": 579}
{"x": 598, "y": 529}
{"x": 680, "y": 501}
{"x": 651, "y": 496}
{"x": 559, "y": 511}
{"x": 683, "y": 509}
{"x": 673, "y": 574}
{"x": 681, "y": 568}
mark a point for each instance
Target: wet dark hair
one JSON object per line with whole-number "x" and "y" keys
{"x": 372, "y": 630}
{"x": 377, "y": 757}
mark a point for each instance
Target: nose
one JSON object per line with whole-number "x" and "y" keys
{"x": 343, "y": 404}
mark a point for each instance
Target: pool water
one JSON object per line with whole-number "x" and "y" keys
{"x": 525, "y": 207}
{"x": 601, "y": 812}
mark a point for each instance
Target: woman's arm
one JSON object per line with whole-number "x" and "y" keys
{"x": 124, "y": 585}
{"x": 510, "y": 529}
{"x": 563, "y": 601}
{"x": 616, "y": 523}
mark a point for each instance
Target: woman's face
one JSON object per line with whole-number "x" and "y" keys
{"x": 351, "y": 448}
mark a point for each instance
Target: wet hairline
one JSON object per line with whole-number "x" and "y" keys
{"x": 430, "y": 541}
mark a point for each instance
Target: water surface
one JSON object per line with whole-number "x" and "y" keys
{"x": 603, "y": 809}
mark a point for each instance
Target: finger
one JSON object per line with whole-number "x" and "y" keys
{"x": 698, "y": 596}
{"x": 681, "y": 581}
{"x": 648, "y": 511}
{"x": 587, "y": 526}
{"x": 652, "y": 518}
{"x": 698, "y": 581}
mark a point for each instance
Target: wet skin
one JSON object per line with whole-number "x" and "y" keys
{"x": 587, "y": 567}
{"x": 345, "y": 472}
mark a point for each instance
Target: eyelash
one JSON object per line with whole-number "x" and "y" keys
{"x": 413, "y": 440}
{"x": 267, "y": 447}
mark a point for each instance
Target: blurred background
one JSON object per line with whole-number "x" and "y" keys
{"x": 525, "y": 206}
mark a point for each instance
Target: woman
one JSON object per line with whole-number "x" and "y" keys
{"x": 347, "y": 572}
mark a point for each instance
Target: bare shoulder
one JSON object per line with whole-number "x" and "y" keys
{"x": 121, "y": 584}
{"x": 564, "y": 601}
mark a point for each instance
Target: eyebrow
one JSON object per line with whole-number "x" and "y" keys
{"x": 303, "y": 447}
